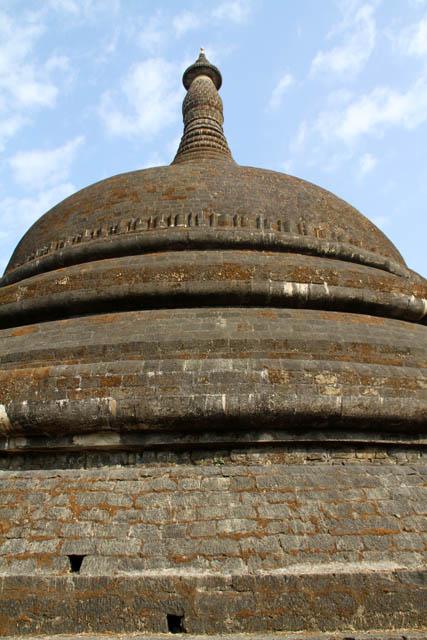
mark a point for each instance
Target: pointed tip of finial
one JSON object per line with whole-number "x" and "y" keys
{"x": 202, "y": 66}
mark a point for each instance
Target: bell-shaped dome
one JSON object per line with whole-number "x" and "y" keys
{"x": 205, "y": 294}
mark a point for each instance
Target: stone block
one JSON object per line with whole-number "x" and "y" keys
{"x": 203, "y": 529}
{"x": 236, "y": 526}
{"x": 216, "y": 484}
{"x": 82, "y": 546}
{"x": 112, "y": 547}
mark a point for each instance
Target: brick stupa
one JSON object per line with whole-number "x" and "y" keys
{"x": 213, "y": 406}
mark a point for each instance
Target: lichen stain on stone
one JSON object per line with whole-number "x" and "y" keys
{"x": 326, "y": 378}
{"x": 171, "y": 195}
{"x": 277, "y": 376}
{"x": 24, "y": 330}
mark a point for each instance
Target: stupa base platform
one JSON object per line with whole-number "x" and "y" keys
{"x": 346, "y": 602}
{"x": 215, "y": 542}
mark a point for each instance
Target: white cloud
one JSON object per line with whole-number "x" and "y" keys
{"x": 148, "y": 102}
{"x": 184, "y": 22}
{"x": 25, "y": 82}
{"x": 374, "y": 112}
{"x": 354, "y": 51}
{"x": 69, "y": 6}
{"x": 277, "y": 94}
{"x": 413, "y": 40}
{"x": 153, "y": 35}
{"x": 19, "y": 213}
{"x": 8, "y": 128}
{"x": 236, "y": 11}
{"x": 367, "y": 163}
{"x": 22, "y": 82}
{"x": 41, "y": 168}
{"x": 298, "y": 142}
{"x": 84, "y": 8}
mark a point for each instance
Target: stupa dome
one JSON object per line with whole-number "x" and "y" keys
{"x": 213, "y": 406}
{"x": 205, "y": 261}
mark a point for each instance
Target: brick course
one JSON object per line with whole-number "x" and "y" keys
{"x": 266, "y": 518}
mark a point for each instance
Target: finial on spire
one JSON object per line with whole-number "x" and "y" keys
{"x": 202, "y": 110}
{"x": 202, "y": 66}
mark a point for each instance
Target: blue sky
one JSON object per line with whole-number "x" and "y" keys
{"x": 334, "y": 92}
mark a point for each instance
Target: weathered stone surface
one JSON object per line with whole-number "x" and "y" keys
{"x": 162, "y": 370}
{"x": 196, "y": 278}
{"x": 312, "y": 601}
{"x": 286, "y": 516}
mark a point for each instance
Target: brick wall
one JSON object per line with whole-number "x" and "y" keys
{"x": 214, "y": 518}
{"x": 229, "y": 546}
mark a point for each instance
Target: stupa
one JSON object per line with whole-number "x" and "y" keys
{"x": 213, "y": 406}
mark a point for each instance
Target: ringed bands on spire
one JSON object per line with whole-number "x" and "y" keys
{"x": 202, "y": 111}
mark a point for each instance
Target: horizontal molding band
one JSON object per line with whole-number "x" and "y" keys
{"x": 180, "y": 239}
{"x": 191, "y": 413}
{"x": 193, "y": 293}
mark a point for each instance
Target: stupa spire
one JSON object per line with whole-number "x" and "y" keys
{"x": 203, "y": 136}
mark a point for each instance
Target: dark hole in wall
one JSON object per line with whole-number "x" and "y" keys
{"x": 75, "y": 563}
{"x": 175, "y": 624}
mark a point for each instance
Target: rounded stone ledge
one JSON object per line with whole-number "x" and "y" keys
{"x": 192, "y": 369}
{"x": 179, "y": 239}
{"x": 201, "y": 411}
{"x": 195, "y": 278}
{"x": 287, "y": 295}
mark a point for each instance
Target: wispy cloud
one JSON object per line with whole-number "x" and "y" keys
{"x": 157, "y": 30}
{"x": 237, "y": 11}
{"x": 279, "y": 90}
{"x": 148, "y": 101}
{"x": 357, "y": 43}
{"x": 298, "y": 141}
{"x": 25, "y": 82}
{"x": 184, "y": 22}
{"x": 10, "y": 126}
{"x": 20, "y": 213}
{"x": 372, "y": 113}
{"x": 40, "y": 168}
{"x": 84, "y": 8}
{"x": 153, "y": 34}
{"x": 413, "y": 39}
{"x": 367, "y": 163}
